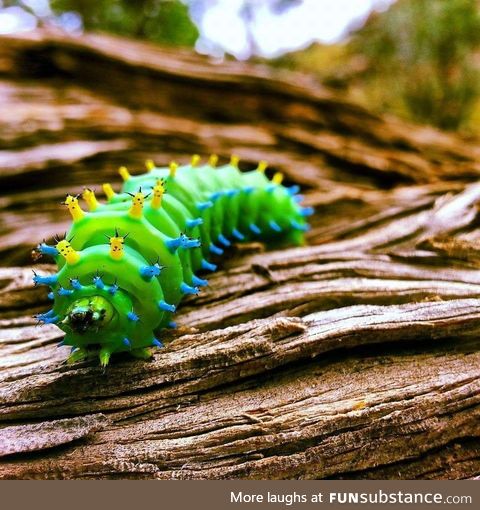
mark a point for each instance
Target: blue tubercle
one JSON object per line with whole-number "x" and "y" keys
{"x": 208, "y": 266}
{"x": 187, "y": 289}
{"x": 238, "y": 235}
{"x": 47, "y": 318}
{"x": 254, "y": 228}
{"x": 148, "y": 272}
{"x": 216, "y": 195}
{"x": 65, "y": 292}
{"x": 275, "y": 226}
{"x": 157, "y": 343}
{"x": 300, "y": 226}
{"x": 75, "y": 283}
{"x": 45, "y": 280}
{"x": 182, "y": 241}
{"x": 190, "y": 243}
{"x": 223, "y": 240}
{"x": 166, "y": 307}
{"x": 132, "y": 316}
{"x": 98, "y": 282}
{"x": 215, "y": 249}
{"x": 200, "y": 282}
{"x": 201, "y": 206}
{"x": 194, "y": 223}
{"x": 307, "y": 211}
{"x": 46, "y": 249}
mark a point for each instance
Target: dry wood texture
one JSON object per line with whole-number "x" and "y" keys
{"x": 354, "y": 357}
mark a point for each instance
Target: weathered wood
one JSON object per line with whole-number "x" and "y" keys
{"x": 74, "y": 109}
{"x": 354, "y": 357}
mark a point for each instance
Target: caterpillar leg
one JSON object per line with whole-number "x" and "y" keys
{"x": 143, "y": 353}
{"x": 104, "y": 356}
{"x": 78, "y": 354}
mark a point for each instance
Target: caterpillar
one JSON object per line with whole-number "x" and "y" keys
{"x": 124, "y": 265}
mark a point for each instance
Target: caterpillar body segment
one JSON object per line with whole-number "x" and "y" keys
{"x": 125, "y": 265}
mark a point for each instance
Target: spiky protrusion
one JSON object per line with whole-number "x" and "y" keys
{"x": 74, "y": 208}
{"x": 254, "y": 228}
{"x": 192, "y": 223}
{"x": 46, "y": 249}
{"x": 149, "y": 164}
{"x": 172, "y": 169}
{"x": 67, "y": 252}
{"x": 234, "y": 160}
{"x": 158, "y": 192}
{"x": 201, "y": 206}
{"x": 208, "y": 266}
{"x": 149, "y": 272}
{"x": 124, "y": 173}
{"x": 213, "y": 160}
{"x": 182, "y": 241}
{"x": 49, "y": 280}
{"x": 108, "y": 190}
{"x": 138, "y": 200}
{"x": 277, "y": 178}
{"x": 116, "y": 245}
{"x": 262, "y": 166}
{"x": 89, "y": 196}
{"x": 195, "y": 160}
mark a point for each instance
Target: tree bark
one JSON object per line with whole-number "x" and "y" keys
{"x": 356, "y": 356}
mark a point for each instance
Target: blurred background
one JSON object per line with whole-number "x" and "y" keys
{"x": 418, "y": 59}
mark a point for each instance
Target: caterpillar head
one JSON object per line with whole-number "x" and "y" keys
{"x": 95, "y": 316}
{"x": 88, "y": 315}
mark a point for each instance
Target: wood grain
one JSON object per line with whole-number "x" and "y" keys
{"x": 355, "y": 356}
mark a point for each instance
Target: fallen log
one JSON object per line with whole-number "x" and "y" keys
{"x": 356, "y": 356}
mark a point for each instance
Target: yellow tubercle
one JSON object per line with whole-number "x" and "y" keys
{"x": 234, "y": 160}
{"x": 150, "y": 164}
{"x": 67, "y": 252}
{"x": 213, "y": 160}
{"x": 89, "y": 196}
{"x": 108, "y": 190}
{"x": 158, "y": 191}
{"x": 137, "y": 205}
{"x": 262, "y": 166}
{"x": 195, "y": 160}
{"x": 124, "y": 173}
{"x": 173, "y": 168}
{"x": 277, "y": 178}
{"x": 116, "y": 246}
{"x": 74, "y": 208}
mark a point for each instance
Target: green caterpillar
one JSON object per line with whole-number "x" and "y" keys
{"x": 125, "y": 265}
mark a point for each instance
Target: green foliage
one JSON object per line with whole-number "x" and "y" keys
{"x": 163, "y": 21}
{"x": 422, "y": 52}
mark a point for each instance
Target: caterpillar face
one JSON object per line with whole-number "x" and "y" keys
{"x": 89, "y": 315}
{"x": 116, "y": 292}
